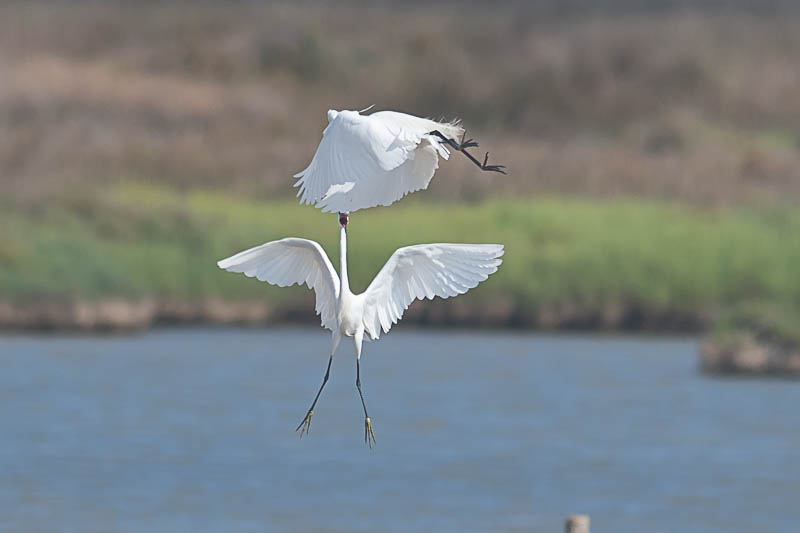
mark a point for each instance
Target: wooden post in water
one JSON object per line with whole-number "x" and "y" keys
{"x": 577, "y": 523}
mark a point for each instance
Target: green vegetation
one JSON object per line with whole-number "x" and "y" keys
{"x": 213, "y": 111}
{"x": 137, "y": 241}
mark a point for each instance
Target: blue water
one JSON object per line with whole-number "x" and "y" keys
{"x": 192, "y": 430}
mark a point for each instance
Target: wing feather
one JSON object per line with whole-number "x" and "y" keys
{"x": 425, "y": 271}
{"x": 369, "y": 160}
{"x": 289, "y": 261}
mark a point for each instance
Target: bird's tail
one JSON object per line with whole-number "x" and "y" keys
{"x": 453, "y": 129}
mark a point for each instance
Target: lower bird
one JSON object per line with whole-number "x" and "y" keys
{"x": 412, "y": 272}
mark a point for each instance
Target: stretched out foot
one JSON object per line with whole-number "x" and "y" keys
{"x": 305, "y": 425}
{"x": 492, "y": 168}
{"x": 469, "y": 143}
{"x": 369, "y": 436}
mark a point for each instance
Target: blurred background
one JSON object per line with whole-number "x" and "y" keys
{"x": 653, "y": 150}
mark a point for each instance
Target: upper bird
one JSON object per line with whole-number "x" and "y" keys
{"x": 371, "y": 160}
{"x": 413, "y": 272}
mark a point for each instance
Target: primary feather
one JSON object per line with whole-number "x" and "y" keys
{"x": 370, "y": 160}
{"x": 425, "y": 271}
{"x": 289, "y": 261}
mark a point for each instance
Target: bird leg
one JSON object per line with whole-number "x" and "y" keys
{"x": 453, "y": 144}
{"x": 369, "y": 436}
{"x": 469, "y": 143}
{"x": 306, "y": 423}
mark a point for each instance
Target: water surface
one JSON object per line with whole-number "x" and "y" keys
{"x": 192, "y": 430}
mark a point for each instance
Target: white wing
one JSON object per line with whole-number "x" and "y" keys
{"x": 366, "y": 161}
{"x": 289, "y": 261}
{"x": 425, "y": 271}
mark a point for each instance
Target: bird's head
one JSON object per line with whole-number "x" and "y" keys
{"x": 344, "y": 218}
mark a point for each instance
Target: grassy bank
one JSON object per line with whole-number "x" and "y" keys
{"x": 585, "y": 258}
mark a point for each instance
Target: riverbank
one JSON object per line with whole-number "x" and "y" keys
{"x": 147, "y": 254}
{"x": 757, "y": 339}
{"x": 114, "y": 315}
{"x": 742, "y": 353}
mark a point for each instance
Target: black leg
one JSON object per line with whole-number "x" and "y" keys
{"x": 369, "y": 436}
{"x": 463, "y": 145}
{"x": 306, "y": 423}
{"x": 454, "y": 145}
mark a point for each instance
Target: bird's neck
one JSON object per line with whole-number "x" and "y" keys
{"x": 344, "y": 282}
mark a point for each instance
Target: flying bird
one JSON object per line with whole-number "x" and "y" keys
{"x": 413, "y": 272}
{"x": 371, "y": 160}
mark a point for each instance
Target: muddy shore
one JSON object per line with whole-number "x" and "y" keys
{"x": 115, "y": 315}
{"x": 743, "y": 353}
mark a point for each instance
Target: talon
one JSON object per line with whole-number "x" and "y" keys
{"x": 468, "y": 143}
{"x": 305, "y": 424}
{"x": 495, "y": 168}
{"x": 369, "y": 436}
{"x": 492, "y": 168}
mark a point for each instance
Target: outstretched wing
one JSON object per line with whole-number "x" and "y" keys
{"x": 366, "y": 161}
{"x": 425, "y": 271}
{"x": 289, "y": 261}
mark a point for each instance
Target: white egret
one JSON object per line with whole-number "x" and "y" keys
{"x": 413, "y": 272}
{"x": 370, "y": 160}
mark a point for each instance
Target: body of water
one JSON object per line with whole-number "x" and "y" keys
{"x": 192, "y": 430}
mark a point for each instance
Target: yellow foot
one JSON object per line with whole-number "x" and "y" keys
{"x": 369, "y": 436}
{"x": 305, "y": 424}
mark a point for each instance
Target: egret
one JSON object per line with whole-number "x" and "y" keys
{"x": 412, "y": 272}
{"x": 371, "y": 160}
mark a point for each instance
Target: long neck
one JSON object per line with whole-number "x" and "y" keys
{"x": 344, "y": 287}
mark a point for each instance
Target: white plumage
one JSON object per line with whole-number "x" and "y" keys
{"x": 411, "y": 273}
{"x": 424, "y": 271}
{"x": 372, "y": 160}
{"x": 289, "y": 261}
